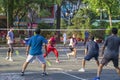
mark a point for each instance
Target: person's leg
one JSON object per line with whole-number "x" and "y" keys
{"x": 71, "y": 53}
{"x": 74, "y": 54}
{"x": 11, "y": 52}
{"x": 99, "y": 70}
{"x": 83, "y": 66}
{"x": 29, "y": 59}
{"x": 56, "y": 54}
{"x": 96, "y": 59}
{"x": 85, "y": 40}
{"x": 104, "y": 61}
{"x": 8, "y": 52}
{"x": 115, "y": 61}
{"x": 86, "y": 58}
{"x": 117, "y": 70}
{"x": 64, "y": 42}
{"x": 24, "y": 66}
{"x": 97, "y": 62}
{"x": 41, "y": 59}
{"x": 44, "y": 67}
{"x": 83, "y": 63}
{"x": 48, "y": 51}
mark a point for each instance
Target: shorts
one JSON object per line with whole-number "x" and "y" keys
{"x": 10, "y": 49}
{"x": 40, "y": 58}
{"x": 90, "y": 56}
{"x": 71, "y": 48}
{"x": 106, "y": 60}
{"x": 9, "y": 42}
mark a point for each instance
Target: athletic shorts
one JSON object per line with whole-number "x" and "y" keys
{"x": 10, "y": 48}
{"x": 106, "y": 60}
{"x": 40, "y": 58}
{"x": 71, "y": 48}
{"x": 90, "y": 56}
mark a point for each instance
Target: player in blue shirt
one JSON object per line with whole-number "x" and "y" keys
{"x": 10, "y": 41}
{"x": 34, "y": 50}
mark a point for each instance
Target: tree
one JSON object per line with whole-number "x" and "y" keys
{"x": 58, "y": 13}
{"x": 19, "y": 8}
{"x": 111, "y": 6}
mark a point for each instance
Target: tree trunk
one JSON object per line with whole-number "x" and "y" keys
{"x": 10, "y": 13}
{"x": 110, "y": 16}
{"x": 110, "y": 20}
{"x": 58, "y": 17}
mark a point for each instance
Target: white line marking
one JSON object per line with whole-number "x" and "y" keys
{"x": 73, "y": 76}
{"x": 17, "y": 75}
{"x": 55, "y": 69}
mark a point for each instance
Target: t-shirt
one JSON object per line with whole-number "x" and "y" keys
{"x": 112, "y": 43}
{"x": 11, "y": 37}
{"x": 92, "y": 47}
{"x": 73, "y": 42}
{"x": 36, "y": 43}
{"x": 52, "y": 41}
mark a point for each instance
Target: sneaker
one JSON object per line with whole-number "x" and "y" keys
{"x": 10, "y": 59}
{"x": 57, "y": 61}
{"x": 96, "y": 78}
{"x": 6, "y": 58}
{"x": 22, "y": 73}
{"x": 44, "y": 74}
{"x": 81, "y": 70}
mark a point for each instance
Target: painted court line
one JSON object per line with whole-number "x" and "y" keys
{"x": 73, "y": 76}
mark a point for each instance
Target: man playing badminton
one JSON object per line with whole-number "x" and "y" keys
{"x": 10, "y": 41}
{"x": 51, "y": 47}
{"x": 111, "y": 53}
{"x": 34, "y": 50}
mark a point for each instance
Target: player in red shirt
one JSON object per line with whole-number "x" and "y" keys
{"x": 51, "y": 47}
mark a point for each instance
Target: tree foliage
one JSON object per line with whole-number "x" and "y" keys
{"x": 20, "y": 8}
{"x": 111, "y": 6}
